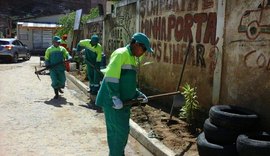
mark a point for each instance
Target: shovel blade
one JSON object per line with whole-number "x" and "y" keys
{"x": 178, "y": 100}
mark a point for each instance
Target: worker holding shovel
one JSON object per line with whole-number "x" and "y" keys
{"x": 55, "y": 57}
{"x": 93, "y": 55}
{"x": 119, "y": 85}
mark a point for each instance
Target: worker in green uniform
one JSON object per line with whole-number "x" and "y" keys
{"x": 119, "y": 85}
{"x": 93, "y": 54}
{"x": 55, "y": 56}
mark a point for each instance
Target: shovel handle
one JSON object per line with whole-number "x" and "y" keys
{"x": 163, "y": 95}
{"x": 135, "y": 101}
{"x": 49, "y": 67}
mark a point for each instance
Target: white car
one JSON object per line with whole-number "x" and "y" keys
{"x": 12, "y": 49}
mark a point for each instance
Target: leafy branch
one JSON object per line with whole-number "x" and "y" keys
{"x": 67, "y": 21}
{"x": 191, "y": 103}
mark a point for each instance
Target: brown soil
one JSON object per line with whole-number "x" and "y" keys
{"x": 176, "y": 134}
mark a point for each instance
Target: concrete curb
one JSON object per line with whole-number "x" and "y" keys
{"x": 152, "y": 144}
{"x": 78, "y": 83}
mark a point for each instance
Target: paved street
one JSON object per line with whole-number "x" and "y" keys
{"x": 34, "y": 124}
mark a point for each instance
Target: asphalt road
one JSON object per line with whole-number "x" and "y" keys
{"x": 34, "y": 124}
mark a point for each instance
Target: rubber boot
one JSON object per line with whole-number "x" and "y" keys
{"x": 56, "y": 94}
{"x": 60, "y": 91}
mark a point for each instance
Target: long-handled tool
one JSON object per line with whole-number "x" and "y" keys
{"x": 89, "y": 63}
{"x": 136, "y": 101}
{"x": 38, "y": 72}
{"x": 180, "y": 98}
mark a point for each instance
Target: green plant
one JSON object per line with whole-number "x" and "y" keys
{"x": 67, "y": 21}
{"x": 191, "y": 103}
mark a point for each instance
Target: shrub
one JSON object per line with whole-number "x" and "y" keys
{"x": 191, "y": 103}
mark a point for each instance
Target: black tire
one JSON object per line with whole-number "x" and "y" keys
{"x": 253, "y": 144}
{"x": 206, "y": 148}
{"x": 233, "y": 117}
{"x": 27, "y": 57}
{"x": 15, "y": 58}
{"x": 219, "y": 135}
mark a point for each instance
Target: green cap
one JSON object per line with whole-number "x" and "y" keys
{"x": 142, "y": 38}
{"x": 94, "y": 38}
{"x": 56, "y": 39}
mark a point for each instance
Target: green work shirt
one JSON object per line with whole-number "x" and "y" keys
{"x": 92, "y": 53}
{"x": 54, "y": 55}
{"x": 120, "y": 77}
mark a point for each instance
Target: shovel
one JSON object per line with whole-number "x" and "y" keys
{"x": 95, "y": 68}
{"x": 178, "y": 98}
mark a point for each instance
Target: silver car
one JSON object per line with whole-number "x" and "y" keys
{"x": 12, "y": 49}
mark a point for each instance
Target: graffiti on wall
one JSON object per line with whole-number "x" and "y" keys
{"x": 172, "y": 24}
{"x": 122, "y": 29}
{"x": 95, "y": 28}
{"x": 257, "y": 59}
{"x": 253, "y": 23}
{"x": 256, "y": 21}
{"x": 213, "y": 55}
{"x": 180, "y": 28}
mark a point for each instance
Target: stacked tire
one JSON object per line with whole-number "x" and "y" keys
{"x": 253, "y": 144}
{"x": 222, "y": 128}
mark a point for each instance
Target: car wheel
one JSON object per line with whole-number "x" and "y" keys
{"x": 27, "y": 57}
{"x": 15, "y": 58}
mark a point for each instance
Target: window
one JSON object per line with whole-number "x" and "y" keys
{"x": 4, "y": 42}
{"x": 16, "y": 43}
{"x": 20, "y": 43}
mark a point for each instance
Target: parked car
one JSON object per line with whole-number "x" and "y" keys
{"x": 12, "y": 49}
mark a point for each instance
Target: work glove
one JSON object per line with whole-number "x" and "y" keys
{"x": 117, "y": 103}
{"x": 142, "y": 98}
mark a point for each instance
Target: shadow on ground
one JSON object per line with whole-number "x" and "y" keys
{"x": 58, "y": 102}
{"x": 89, "y": 105}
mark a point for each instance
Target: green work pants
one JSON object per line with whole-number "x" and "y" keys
{"x": 94, "y": 77}
{"x": 117, "y": 123}
{"x": 58, "y": 78}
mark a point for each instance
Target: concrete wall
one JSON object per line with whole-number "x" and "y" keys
{"x": 170, "y": 25}
{"x": 94, "y": 26}
{"x": 246, "y": 69}
{"x": 26, "y": 27}
{"x": 229, "y": 60}
{"x": 120, "y": 26}
{"x": 25, "y": 34}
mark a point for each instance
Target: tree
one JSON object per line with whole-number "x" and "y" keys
{"x": 67, "y": 21}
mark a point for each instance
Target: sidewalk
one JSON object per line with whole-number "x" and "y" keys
{"x": 152, "y": 144}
